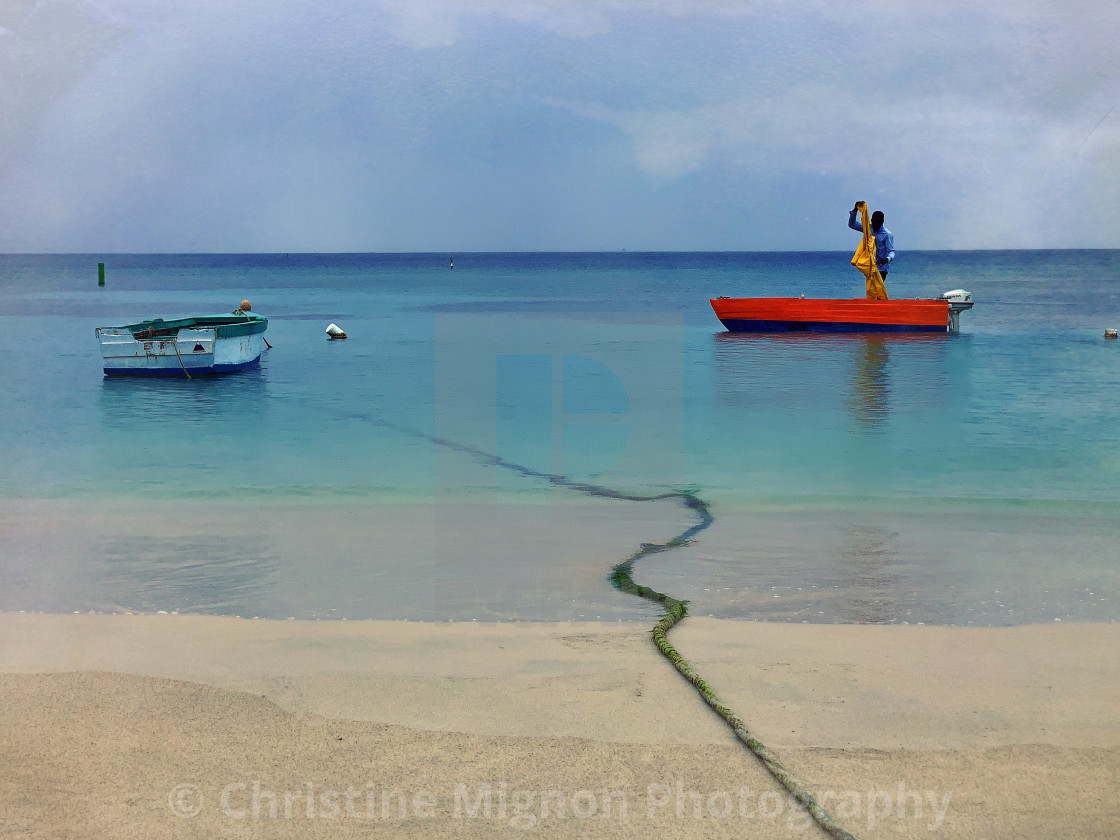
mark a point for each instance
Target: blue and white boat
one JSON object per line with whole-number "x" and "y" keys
{"x": 205, "y": 344}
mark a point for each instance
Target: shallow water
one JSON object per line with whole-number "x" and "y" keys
{"x": 966, "y": 467}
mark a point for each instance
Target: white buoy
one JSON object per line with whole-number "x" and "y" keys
{"x": 1110, "y": 333}
{"x": 335, "y": 331}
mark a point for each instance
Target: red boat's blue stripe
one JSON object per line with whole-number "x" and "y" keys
{"x": 744, "y": 325}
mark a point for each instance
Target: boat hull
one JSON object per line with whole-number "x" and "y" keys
{"x": 190, "y": 346}
{"x": 831, "y": 315}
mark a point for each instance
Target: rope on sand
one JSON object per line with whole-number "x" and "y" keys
{"x": 675, "y": 611}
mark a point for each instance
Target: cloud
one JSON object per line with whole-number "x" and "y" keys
{"x": 667, "y": 144}
{"x": 423, "y": 24}
{"x": 547, "y": 124}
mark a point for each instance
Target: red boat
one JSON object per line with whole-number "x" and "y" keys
{"x": 831, "y": 315}
{"x": 875, "y": 313}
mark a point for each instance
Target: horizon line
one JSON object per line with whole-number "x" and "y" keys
{"x": 504, "y": 252}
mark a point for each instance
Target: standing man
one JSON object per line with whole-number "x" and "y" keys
{"x": 884, "y": 239}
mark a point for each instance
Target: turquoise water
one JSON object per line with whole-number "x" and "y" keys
{"x": 603, "y": 368}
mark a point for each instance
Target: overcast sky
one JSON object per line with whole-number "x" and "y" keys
{"x": 476, "y": 125}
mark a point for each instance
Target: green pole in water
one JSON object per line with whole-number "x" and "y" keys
{"x": 101, "y": 274}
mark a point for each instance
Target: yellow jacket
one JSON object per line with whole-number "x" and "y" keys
{"x": 864, "y": 259}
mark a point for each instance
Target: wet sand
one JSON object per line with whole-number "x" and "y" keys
{"x": 194, "y": 726}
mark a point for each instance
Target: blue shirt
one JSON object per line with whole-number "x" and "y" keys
{"x": 884, "y": 242}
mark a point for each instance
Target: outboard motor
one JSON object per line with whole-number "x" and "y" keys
{"x": 959, "y": 301}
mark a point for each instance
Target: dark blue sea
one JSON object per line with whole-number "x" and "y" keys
{"x": 410, "y": 470}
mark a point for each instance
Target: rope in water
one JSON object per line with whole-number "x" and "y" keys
{"x": 621, "y": 578}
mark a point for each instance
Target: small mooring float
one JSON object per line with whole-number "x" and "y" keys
{"x": 200, "y": 345}
{"x": 875, "y": 313}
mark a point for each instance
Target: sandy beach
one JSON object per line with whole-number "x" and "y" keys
{"x": 194, "y": 726}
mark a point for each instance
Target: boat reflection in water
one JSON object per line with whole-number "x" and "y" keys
{"x": 870, "y": 567}
{"x": 871, "y": 384}
{"x": 870, "y": 376}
